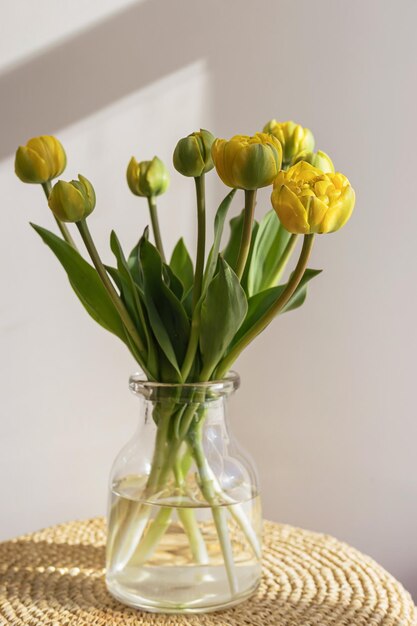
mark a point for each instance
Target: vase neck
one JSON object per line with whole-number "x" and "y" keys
{"x": 201, "y": 392}
{"x": 180, "y": 412}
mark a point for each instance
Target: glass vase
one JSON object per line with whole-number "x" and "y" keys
{"x": 184, "y": 522}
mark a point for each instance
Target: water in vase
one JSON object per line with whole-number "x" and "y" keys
{"x": 166, "y": 555}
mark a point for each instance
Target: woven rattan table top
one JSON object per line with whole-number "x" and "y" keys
{"x": 54, "y": 577}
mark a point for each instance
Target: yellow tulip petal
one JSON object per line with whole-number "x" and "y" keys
{"x": 42, "y": 159}
{"x": 247, "y": 162}
{"x": 340, "y": 212}
{"x": 293, "y": 138}
{"x": 327, "y": 198}
{"x": 67, "y": 202}
{"x": 317, "y": 211}
{"x": 30, "y": 167}
{"x": 290, "y": 210}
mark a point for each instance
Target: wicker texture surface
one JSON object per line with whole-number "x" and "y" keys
{"x": 54, "y": 577}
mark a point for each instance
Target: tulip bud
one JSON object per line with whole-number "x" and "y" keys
{"x": 73, "y": 201}
{"x": 293, "y": 138}
{"x": 147, "y": 178}
{"x": 40, "y": 160}
{"x": 192, "y": 154}
{"x": 247, "y": 162}
{"x": 307, "y": 200}
{"x": 318, "y": 159}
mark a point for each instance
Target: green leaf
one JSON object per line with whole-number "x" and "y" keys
{"x": 133, "y": 261}
{"x": 86, "y": 283}
{"x": 115, "y": 276}
{"x": 182, "y": 265}
{"x": 231, "y": 251}
{"x": 260, "y": 303}
{"x": 167, "y": 317}
{"x": 218, "y": 231}
{"x": 222, "y": 312}
{"x": 300, "y": 294}
{"x": 172, "y": 281}
{"x": 124, "y": 281}
{"x": 132, "y": 297}
{"x": 269, "y": 245}
{"x": 187, "y": 302}
{"x": 244, "y": 280}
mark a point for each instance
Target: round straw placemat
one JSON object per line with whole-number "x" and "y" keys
{"x": 55, "y": 577}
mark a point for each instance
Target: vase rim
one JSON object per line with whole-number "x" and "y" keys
{"x": 139, "y": 385}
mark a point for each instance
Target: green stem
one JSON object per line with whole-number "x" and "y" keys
{"x": 198, "y": 281}
{"x": 195, "y": 538}
{"x": 285, "y": 257}
{"x": 187, "y": 419}
{"x": 162, "y": 451}
{"x": 205, "y": 374}
{"x": 201, "y": 237}
{"x": 155, "y": 226}
{"x": 250, "y": 198}
{"x": 62, "y": 227}
{"x": 267, "y": 317}
{"x": 152, "y": 361}
{"x": 218, "y": 511}
{"x": 131, "y": 548}
{"x": 154, "y": 534}
{"x": 192, "y": 345}
{"x": 191, "y": 412}
{"x": 134, "y": 351}
{"x": 129, "y": 537}
{"x": 186, "y": 515}
{"x": 120, "y": 307}
{"x": 159, "y": 525}
{"x": 163, "y": 462}
{"x": 237, "y": 512}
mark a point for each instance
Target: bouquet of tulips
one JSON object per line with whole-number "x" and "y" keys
{"x": 187, "y": 321}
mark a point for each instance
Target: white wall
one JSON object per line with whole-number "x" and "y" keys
{"x": 327, "y": 403}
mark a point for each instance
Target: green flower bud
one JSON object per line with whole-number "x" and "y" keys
{"x": 318, "y": 159}
{"x": 147, "y": 178}
{"x": 40, "y": 160}
{"x": 192, "y": 155}
{"x": 73, "y": 201}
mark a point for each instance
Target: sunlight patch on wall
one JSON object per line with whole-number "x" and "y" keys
{"x": 143, "y": 124}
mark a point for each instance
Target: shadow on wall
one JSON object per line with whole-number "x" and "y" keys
{"x": 142, "y": 44}
{"x": 114, "y": 58}
{"x": 81, "y": 75}
{"x": 147, "y": 41}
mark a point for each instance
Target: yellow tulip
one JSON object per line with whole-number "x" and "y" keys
{"x": 309, "y": 201}
{"x": 192, "y": 154}
{"x": 292, "y": 137}
{"x": 73, "y": 201}
{"x": 40, "y": 160}
{"x": 249, "y": 163}
{"x": 318, "y": 159}
{"x": 147, "y": 178}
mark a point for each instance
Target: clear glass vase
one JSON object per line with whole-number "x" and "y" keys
{"x": 184, "y": 526}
